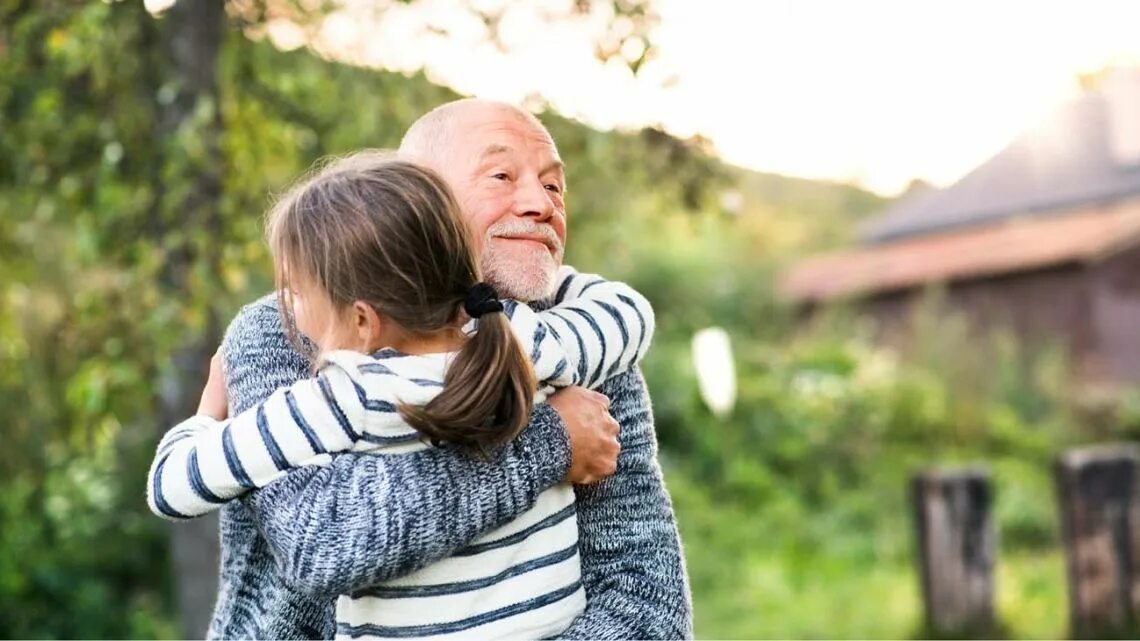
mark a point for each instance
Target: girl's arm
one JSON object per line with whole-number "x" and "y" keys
{"x": 202, "y": 463}
{"x": 596, "y": 329}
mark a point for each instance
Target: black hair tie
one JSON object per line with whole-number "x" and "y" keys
{"x": 482, "y": 299}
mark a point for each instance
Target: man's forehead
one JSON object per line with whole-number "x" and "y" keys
{"x": 501, "y": 149}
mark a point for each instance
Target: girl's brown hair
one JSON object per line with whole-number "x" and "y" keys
{"x": 370, "y": 227}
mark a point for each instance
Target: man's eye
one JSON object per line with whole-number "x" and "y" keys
{"x": 501, "y": 176}
{"x": 554, "y": 188}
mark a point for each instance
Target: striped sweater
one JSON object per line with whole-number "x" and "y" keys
{"x": 522, "y": 579}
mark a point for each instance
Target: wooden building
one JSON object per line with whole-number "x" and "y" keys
{"x": 1043, "y": 237}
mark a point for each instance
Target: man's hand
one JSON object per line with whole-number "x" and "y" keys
{"x": 214, "y": 403}
{"x": 594, "y": 444}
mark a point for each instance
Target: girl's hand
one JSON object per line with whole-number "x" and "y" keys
{"x": 214, "y": 403}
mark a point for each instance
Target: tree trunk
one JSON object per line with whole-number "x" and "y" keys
{"x": 190, "y": 212}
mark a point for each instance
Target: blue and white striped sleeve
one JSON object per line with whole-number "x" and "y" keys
{"x": 596, "y": 329}
{"x": 203, "y": 463}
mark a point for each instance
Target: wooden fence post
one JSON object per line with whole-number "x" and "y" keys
{"x": 1099, "y": 493}
{"x": 957, "y": 546}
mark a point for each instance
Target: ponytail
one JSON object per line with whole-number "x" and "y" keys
{"x": 488, "y": 391}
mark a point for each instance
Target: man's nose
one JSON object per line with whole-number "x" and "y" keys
{"x": 533, "y": 200}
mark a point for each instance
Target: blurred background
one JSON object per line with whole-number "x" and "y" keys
{"x": 903, "y": 236}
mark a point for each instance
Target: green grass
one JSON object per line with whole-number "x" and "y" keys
{"x": 1031, "y": 595}
{"x": 756, "y": 575}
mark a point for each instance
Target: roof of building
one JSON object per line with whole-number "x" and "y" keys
{"x": 1065, "y": 163}
{"x": 1076, "y": 235}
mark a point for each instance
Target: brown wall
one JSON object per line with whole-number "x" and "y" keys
{"x": 1093, "y": 309}
{"x": 1116, "y": 318}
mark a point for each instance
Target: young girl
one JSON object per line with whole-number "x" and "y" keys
{"x": 374, "y": 261}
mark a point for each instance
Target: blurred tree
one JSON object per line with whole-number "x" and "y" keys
{"x": 77, "y": 339}
{"x": 190, "y": 112}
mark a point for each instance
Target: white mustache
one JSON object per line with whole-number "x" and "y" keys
{"x": 522, "y": 228}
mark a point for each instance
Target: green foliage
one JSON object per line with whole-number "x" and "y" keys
{"x": 792, "y": 509}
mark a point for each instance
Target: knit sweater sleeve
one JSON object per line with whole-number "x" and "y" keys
{"x": 366, "y": 518}
{"x": 596, "y": 329}
{"x": 632, "y": 567}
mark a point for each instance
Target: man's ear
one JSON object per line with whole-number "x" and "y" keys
{"x": 369, "y": 324}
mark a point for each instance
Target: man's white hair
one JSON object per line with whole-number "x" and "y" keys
{"x": 432, "y": 136}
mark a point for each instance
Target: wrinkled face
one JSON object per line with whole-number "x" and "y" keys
{"x": 510, "y": 184}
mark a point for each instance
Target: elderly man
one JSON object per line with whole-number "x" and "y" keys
{"x": 290, "y": 548}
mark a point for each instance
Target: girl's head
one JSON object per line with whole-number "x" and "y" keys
{"x": 371, "y": 251}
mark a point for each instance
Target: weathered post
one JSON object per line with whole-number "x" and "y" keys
{"x": 957, "y": 547}
{"x": 1099, "y": 493}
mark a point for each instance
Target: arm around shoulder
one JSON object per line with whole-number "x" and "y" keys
{"x": 368, "y": 518}
{"x": 599, "y": 328}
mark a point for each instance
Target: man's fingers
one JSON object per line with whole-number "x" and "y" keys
{"x": 596, "y": 397}
{"x": 594, "y": 434}
{"x": 613, "y": 463}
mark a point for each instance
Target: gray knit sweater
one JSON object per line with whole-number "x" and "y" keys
{"x": 289, "y": 549}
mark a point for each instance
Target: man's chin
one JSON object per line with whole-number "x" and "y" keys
{"x": 526, "y": 282}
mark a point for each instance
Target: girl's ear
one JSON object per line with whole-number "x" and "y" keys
{"x": 369, "y": 325}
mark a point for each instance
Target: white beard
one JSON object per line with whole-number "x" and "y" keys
{"x": 527, "y": 279}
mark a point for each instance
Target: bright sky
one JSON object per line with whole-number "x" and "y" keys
{"x": 877, "y": 92}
